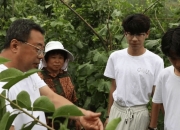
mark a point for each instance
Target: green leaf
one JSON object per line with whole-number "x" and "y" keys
{"x": 113, "y": 124}
{"x": 4, "y": 121}
{"x": 87, "y": 102}
{"x": 19, "y": 78}
{"x": 79, "y": 44}
{"x": 63, "y": 127}
{"x": 3, "y": 60}
{"x": 2, "y": 104}
{"x": 30, "y": 126}
{"x": 116, "y": 13}
{"x": 9, "y": 74}
{"x": 103, "y": 31}
{"x": 43, "y": 104}
{"x": 10, "y": 121}
{"x": 24, "y": 99}
{"x": 151, "y": 43}
{"x": 66, "y": 111}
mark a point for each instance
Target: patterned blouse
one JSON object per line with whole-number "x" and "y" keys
{"x": 60, "y": 84}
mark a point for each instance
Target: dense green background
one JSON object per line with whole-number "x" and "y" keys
{"x": 92, "y": 44}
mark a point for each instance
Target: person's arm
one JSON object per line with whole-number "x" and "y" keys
{"x": 89, "y": 121}
{"x": 111, "y": 100}
{"x": 154, "y": 115}
{"x": 12, "y": 128}
{"x": 153, "y": 89}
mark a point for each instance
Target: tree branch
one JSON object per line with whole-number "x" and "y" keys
{"x": 159, "y": 22}
{"x": 150, "y": 6}
{"x": 100, "y": 38}
{"x": 16, "y": 105}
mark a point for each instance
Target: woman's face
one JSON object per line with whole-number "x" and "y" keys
{"x": 55, "y": 62}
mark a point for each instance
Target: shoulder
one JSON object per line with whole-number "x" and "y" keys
{"x": 153, "y": 56}
{"x": 40, "y": 74}
{"x": 167, "y": 72}
{"x": 2, "y": 67}
{"x": 118, "y": 53}
{"x": 64, "y": 74}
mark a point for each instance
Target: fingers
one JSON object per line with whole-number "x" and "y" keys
{"x": 100, "y": 124}
{"x": 94, "y": 124}
{"x": 92, "y": 114}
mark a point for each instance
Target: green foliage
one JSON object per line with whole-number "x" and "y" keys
{"x": 67, "y": 111}
{"x": 2, "y": 105}
{"x": 4, "y": 121}
{"x": 19, "y": 76}
{"x": 113, "y": 124}
{"x": 43, "y": 104}
{"x": 23, "y": 101}
{"x": 3, "y": 60}
{"x": 90, "y": 51}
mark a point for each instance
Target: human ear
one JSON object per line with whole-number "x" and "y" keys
{"x": 14, "y": 45}
{"x": 147, "y": 34}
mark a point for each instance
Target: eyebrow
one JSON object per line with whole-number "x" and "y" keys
{"x": 40, "y": 44}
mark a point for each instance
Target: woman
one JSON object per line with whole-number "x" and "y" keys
{"x": 54, "y": 66}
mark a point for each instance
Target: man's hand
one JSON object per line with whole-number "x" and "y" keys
{"x": 78, "y": 125}
{"x": 91, "y": 121}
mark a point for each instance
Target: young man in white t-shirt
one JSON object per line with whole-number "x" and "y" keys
{"x": 24, "y": 47}
{"x": 133, "y": 71}
{"x": 167, "y": 91}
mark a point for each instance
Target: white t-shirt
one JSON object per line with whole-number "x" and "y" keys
{"x": 31, "y": 84}
{"x": 168, "y": 92}
{"x": 134, "y": 75}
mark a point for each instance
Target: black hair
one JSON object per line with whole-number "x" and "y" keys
{"x": 20, "y": 29}
{"x": 171, "y": 42}
{"x": 136, "y": 23}
{"x": 55, "y": 52}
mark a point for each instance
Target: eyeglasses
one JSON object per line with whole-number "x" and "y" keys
{"x": 39, "y": 51}
{"x": 138, "y": 35}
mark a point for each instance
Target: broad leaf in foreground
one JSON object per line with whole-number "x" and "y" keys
{"x": 43, "y": 104}
{"x": 24, "y": 99}
{"x": 67, "y": 111}
{"x": 19, "y": 78}
{"x": 113, "y": 124}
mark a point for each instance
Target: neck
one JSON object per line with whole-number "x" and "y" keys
{"x": 6, "y": 54}
{"x": 54, "y": 72}
{"x": 176, "y": 72}
{"x": 136, "y": 52}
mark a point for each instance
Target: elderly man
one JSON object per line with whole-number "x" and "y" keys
{"x": 24, "y": 46}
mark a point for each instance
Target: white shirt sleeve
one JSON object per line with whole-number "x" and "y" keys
{"x": 38, "y": 81}
{"x": 159, "y": 68}
{"x": 109, "y": 71}
{"x": 157, "y": 97}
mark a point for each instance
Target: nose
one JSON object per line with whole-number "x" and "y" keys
{"x": 134, "y": 38}
{"x": 41, "y": 56}
{"x": 57, "y": 60}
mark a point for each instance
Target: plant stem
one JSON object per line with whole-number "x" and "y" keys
{"x": 100, "y": 38}
{"x": 16, "y": 105}
{"x": 159, "y": 22}
{"x": 150, "y": 6}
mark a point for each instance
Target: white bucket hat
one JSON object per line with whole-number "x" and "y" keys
{"x": 56, "y": 45}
